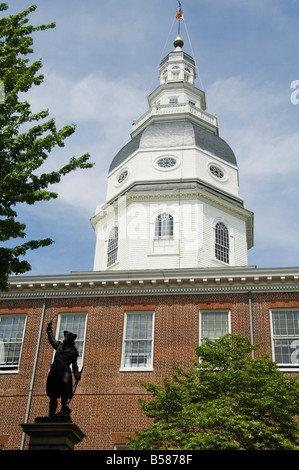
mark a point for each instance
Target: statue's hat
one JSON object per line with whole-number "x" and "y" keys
{"x": 69, "y": 335}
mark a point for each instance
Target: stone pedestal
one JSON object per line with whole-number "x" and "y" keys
{"x": 57, "y": 433}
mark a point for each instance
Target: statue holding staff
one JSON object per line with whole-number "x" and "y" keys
{"x": 59, "y": 381}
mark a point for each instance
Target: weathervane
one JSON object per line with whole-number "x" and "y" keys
{"x": 179, "y": 16}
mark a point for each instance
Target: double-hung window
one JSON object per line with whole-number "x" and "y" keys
{"x": 164, "y": 225}
{"x": 138, "y": 341}
{"x": 285, "y": 337}
{"x": 112, "y": 247}
{"x": 221, "y": 243}
{"x": 11, "y": 340}
{"x": 214, "y": 324}
{"x": 76, "y": 323}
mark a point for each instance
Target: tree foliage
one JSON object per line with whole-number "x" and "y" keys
{"x": 225, "y": 401}
{"x": 26, "y": 139}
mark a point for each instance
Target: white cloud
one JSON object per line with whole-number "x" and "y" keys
{"x": 103, "y": 111}
{"x": 93, "y": 98}
{"x": 257, "y": 126}
{"x": 256, "y": 123}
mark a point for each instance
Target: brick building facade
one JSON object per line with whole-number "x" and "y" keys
{"x": 170, "y": 269}
{"x": 105, "y": 405}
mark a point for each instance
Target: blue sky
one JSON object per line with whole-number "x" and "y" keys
{"x": 100, "y": 64}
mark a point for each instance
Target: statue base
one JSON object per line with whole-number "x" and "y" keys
{"x": 53, "y": 433}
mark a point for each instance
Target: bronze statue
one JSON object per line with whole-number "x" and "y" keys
{"x": 59, "y": 381}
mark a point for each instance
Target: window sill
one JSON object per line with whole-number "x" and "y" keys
{"x": 136, "y": 369}
{"x": 219, "y": 262}
{"x": 163, "y": 237}
{"x": 284, "y": 368}
{"x": 175, "y": 253}
{"x": 6, "y": 371}
{"x": 112, "y": 265}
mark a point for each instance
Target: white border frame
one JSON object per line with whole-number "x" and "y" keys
{"x": 222, "y": 180}
{"x": 137, "y": 369}
{"x": 58, "y": 328}
{"x": 169, "y": 168}
{"x": 17, "y": 369}
{"x": 282, "y": 367}
{"x": 228, "y": 311}
{"x": 123, "y": 170}
{"x": 231, "y": 237}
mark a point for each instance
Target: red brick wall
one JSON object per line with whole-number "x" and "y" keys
{"x": 105, "y": 404}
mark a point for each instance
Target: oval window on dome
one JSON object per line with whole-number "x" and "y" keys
{"x": 216, "y": 171}
{"x": 166, "y": 162}
{"x": 122, "y": 176}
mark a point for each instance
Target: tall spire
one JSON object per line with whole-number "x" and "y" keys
{"x": 175, "y": 164}
{"x": 179, "y": 17}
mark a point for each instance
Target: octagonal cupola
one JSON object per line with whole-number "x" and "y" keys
{"x": 177, "y": 66}
{"x": 177, "y": 94}
{"x": 173, "y": 190}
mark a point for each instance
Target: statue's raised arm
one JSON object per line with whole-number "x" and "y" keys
{"x": 59, "y": 381}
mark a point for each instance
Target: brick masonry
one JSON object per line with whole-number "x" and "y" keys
{"x": 106, "y": 402}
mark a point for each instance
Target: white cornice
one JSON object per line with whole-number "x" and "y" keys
{"x": 179, "y": 112}
{"x": 154, "y": 282}
{"x": 182, "y": 193}
{"x": 177, "y": 86}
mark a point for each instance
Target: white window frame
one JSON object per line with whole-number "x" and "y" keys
{"x": 14, "y": 368}
{"x": 59, "y": 333}
{"x": 227, "y": 311}
{"x": 221, "y": 247}
{"x": 164, "y": 225}
{"x": 112, "y": 246}
{"x": 149, "y": 367}
{"x": 287, "y": 367}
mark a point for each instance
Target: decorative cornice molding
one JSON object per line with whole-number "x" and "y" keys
{"x": 170, "y": 282}
{"x": 207, "y": 194}
{"x": 182, "y": 193}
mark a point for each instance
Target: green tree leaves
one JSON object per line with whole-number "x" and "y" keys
{"x": 226, "y": 401}
{"x": 26, "y": 140}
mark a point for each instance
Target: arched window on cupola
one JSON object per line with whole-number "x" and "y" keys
{"x": 221, "y": 242}
{"x": 112, "y": 246}
{"x": 164, "y": 225}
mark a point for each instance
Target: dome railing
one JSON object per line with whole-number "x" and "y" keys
{"x": 177, "y": 108}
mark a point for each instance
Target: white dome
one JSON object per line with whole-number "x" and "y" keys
{"x": 175, "y": 134}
